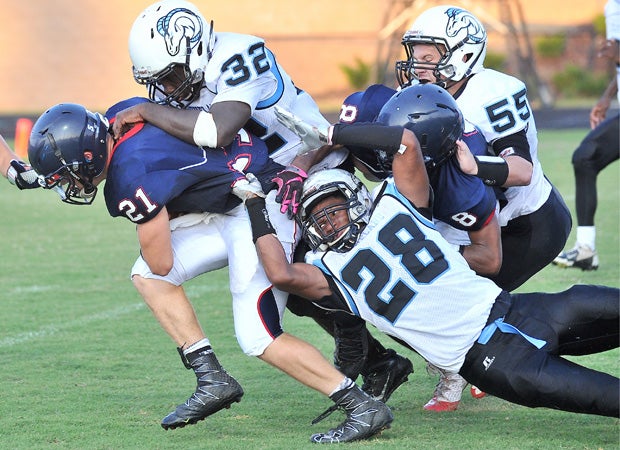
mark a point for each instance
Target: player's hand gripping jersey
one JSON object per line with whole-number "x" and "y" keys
{"x": 150, "y": 168}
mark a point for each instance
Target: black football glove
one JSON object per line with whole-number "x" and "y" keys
{"x": 290, "y": 183}
{"x": 22, "y": 175}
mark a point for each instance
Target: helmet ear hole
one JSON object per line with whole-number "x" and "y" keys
{"x": 423, "y": 139}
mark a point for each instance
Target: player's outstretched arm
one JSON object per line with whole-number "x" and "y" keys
{"x": 301, "y": 279}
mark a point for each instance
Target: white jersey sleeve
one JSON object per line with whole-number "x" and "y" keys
{"x": 243, "y": 69}
{"x": 497, "y": 104}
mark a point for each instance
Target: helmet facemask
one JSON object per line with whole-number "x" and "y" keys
{"x": 406, "y": 71}
{"x": 188, "y": 83}
{"x": 319, "y": 231}
{"x": 170, "y": 45}
{"x": 72, "y": 181}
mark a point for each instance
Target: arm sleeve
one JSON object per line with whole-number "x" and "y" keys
{"x": 513, "y": 144}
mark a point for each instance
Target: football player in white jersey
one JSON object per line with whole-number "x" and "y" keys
{"x": 447, "y": 45}
{"x": 382, "y": 259}
{"x": 205, "y": 87}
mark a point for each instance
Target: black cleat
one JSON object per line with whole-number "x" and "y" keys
{"x": 386, "y": 375}
{"x": 215, "y": 390}
{"x": 365, "y": 418}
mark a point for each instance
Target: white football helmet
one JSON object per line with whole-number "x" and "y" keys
{"x": 458, "y": 35}
{"x": 318, "y": 229}
{"x": 171, "y": 36}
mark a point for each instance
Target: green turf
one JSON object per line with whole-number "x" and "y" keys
{"x": 85, "y": 365}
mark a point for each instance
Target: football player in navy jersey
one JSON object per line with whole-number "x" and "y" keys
{"x": 206, "y": 85}
{"x": 380, "y": 257}
{"x": 179, "y": 196}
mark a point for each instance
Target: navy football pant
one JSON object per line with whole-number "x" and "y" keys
{"x": 599, "y": 148}
{"x": 532, "y": 241}
{"x": 579, "y": 321}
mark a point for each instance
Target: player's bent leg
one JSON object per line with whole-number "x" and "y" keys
{"x": 171, "y": 308}
{"x": 365, "y": 417}
{"x": 357, "y": 351}
{"x": 215, "y": 390}
{"x": 303, "y": 362}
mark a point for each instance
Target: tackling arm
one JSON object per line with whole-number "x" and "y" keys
{"x": 301, "y": 279}
{"x": 304, "y": 280}
{"x": 6, "y": 155}
{"x": 410, "y": 173}
{"x": 213, "y": 129}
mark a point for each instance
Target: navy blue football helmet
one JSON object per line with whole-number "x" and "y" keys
{"x": 67, "y": 148}
{"x": 432, "y": 114}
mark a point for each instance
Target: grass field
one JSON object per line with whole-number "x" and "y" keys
{"x": 85, "y": 365}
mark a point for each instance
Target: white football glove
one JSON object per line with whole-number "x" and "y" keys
{"x": 312, "y": 136}
{"x": 22, "y": 175}
{"x": 248, "y": 187}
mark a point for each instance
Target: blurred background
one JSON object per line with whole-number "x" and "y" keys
{"x": 76, "y": 51}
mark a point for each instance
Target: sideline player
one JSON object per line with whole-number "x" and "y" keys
{"x": 599, "y": 148}
{"x": 149, "y": 175}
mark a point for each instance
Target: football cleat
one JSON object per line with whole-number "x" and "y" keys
{"x": 365, "y": 418}
{"x": 448, "y": 391}
{"x": 581, "y": 256}
{"x": 215, "y": 390}
{"x": 386, "y": 375}
{"x": 476, "y": 393}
